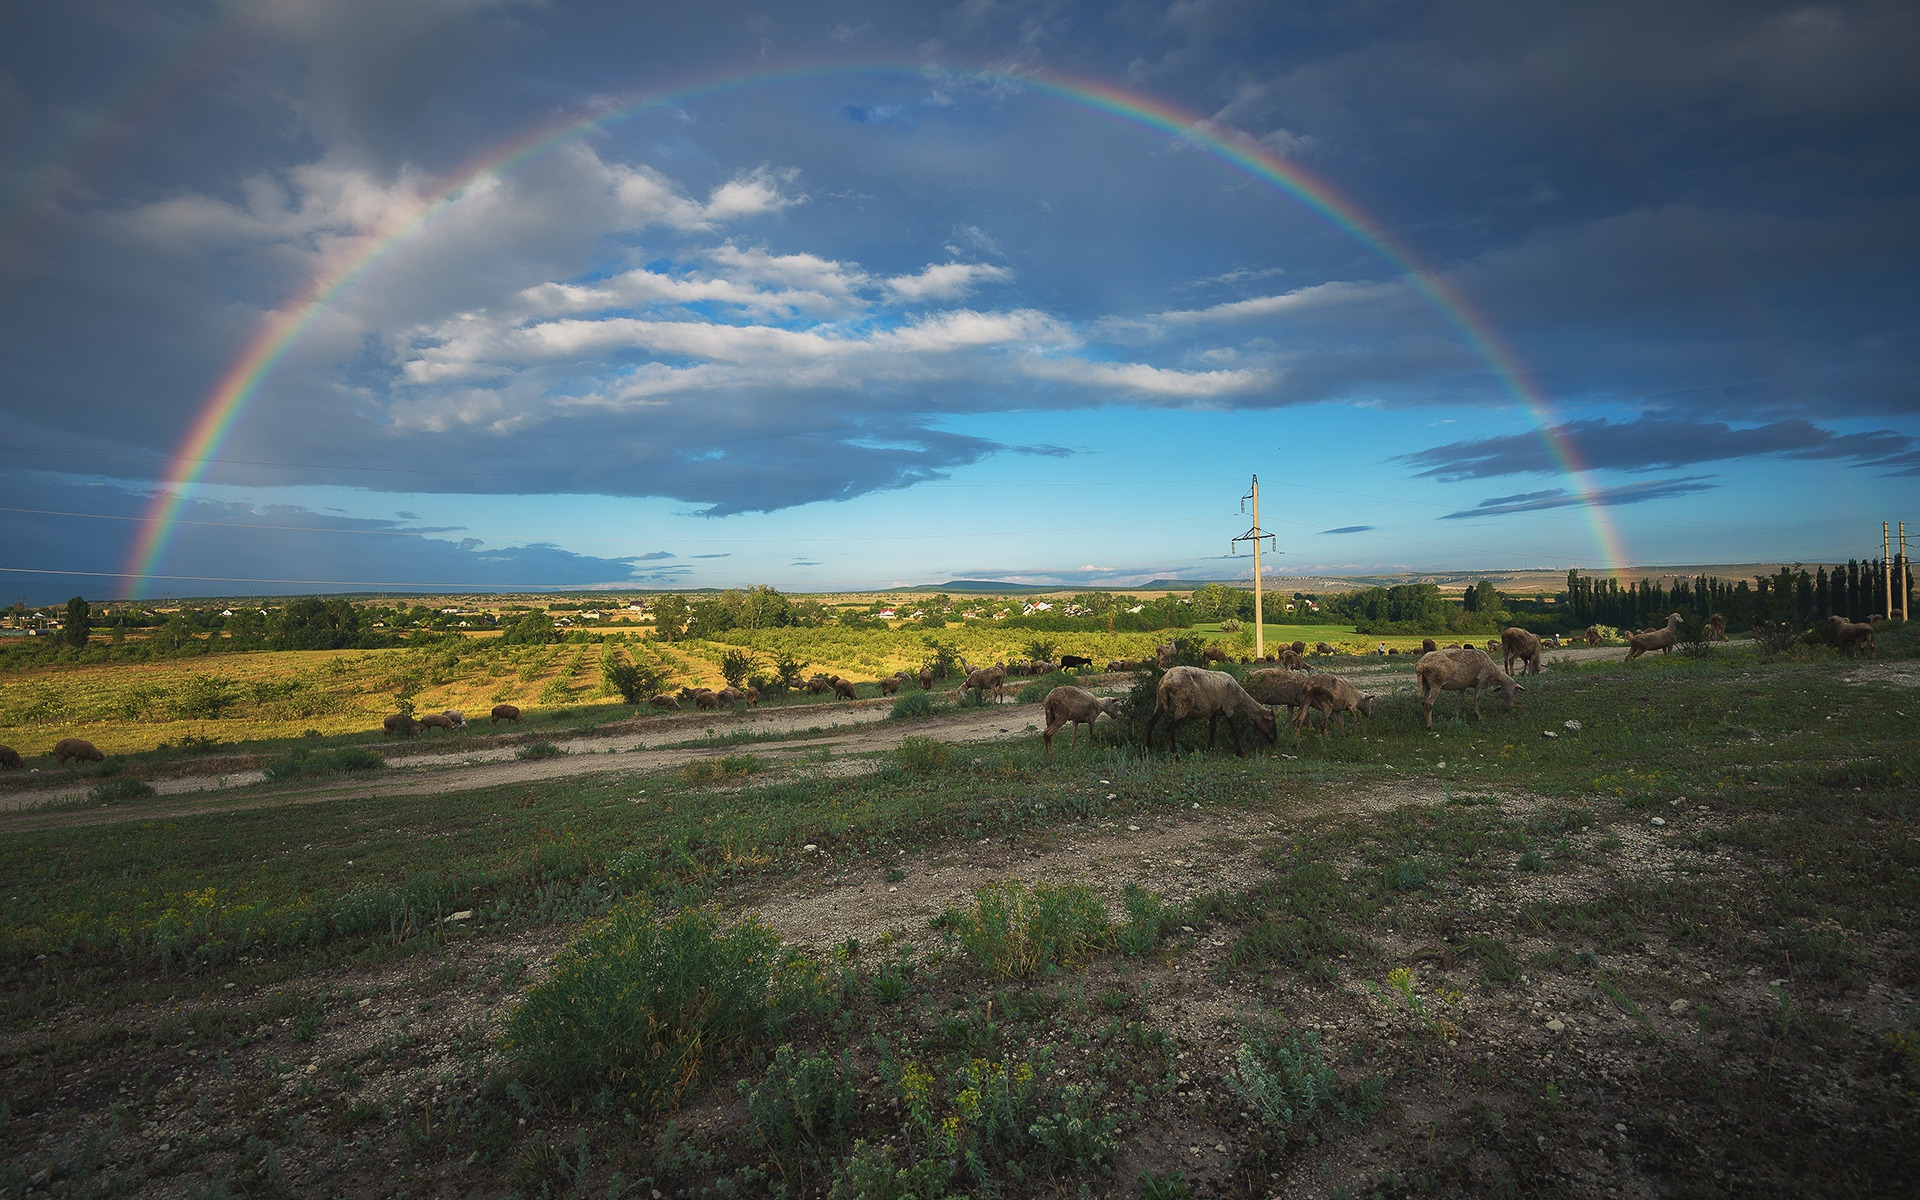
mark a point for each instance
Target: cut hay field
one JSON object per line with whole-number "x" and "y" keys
{"x": 272, "y": 695}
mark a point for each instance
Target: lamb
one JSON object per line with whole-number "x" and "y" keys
{"x": 76, "y": 748}
{"x": 401, "y": 724}
{"x": 1456, "y": 671}
{"x": 843, "y": 689}
{"x": 1520, "y": 646}
{"x": 1850, "y": 635}
{"x": 1493, "y": 645}
{"x": 1333, "y": 696}
{"x": 1654, "y": 639}
{"x": 1195, "y": 692}
{"x": 1213, "y": 653}
{"x": 438, "y": 721}
{"x": 665, "y": 702}
{"x": 1593, "y": 636}
{"x": 1428, "y": 646}
{"x": 9, "y": 757}
{"x": 1074, "y": 707}
{"x": 1277, "y": 688}
{"x": 506, "y": 712}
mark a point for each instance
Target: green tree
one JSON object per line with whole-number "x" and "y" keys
{"x": 764, "y": 608}
{"x": 312, "y": 624}
{"x": 736, "y": 665}
{"x": 79, "y": 623}
{"x": 669, "y": 617}
{"x": 533, "y": 629}
{"x": 709, "y": 618}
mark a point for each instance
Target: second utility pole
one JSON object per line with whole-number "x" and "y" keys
{"x": 1254, "y": 535}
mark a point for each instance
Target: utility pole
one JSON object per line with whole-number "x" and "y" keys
{"x": 1255, "y": 535}
{"x": 1886, "y": 568}
{"x": 1903, "y": 572}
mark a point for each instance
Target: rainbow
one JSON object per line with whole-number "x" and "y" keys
{"x": 242, "y": 379}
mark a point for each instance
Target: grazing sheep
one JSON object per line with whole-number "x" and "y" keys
{"x": 665, "y": 702}
{"x": 1213, "y": 653}
{"x": 986, "y": 679}
{"x": 401, "y": 724}
{"x": 730, "y": 695}
{"x": 1277, "y": 688}
{"x": 506, "y": 712}
{"x": 1195, "y": 692}
{"x": 458, "y": 718}
{"x": 9, "y": 757}
{"x": 1323, "y": 648}
{"x": 1593, "y": 636}
{"x": 1654, "y": 639}
{"x": 1717, "y": 628}
{"x": 438, "y": 721}
{"x": 1298, "y": 647}
{"x": 1073, "y": 662}
{"x": 1334, "y": 697}
{"x": 1292, "y": 659}
{"x": 1493, "y": 645}
{"x": 751, "y": 695}
{"x": 705, "y": 698}
{"x": 890, "y": 686}
{"x": 1163, "y": 655}
{"x": 1850, "y": 635}
{"x": 926, "y": 679}
{"x": 76, "y": 748}
{"x": 1456, "y": 671}
{"x": 1120, "y": 664}
{"x": 1551, "y": 641}
{"x": 819, "y": 684}
{"x": 1428, "y": 646}
{"x": 843, "y": 689}
{"x": 1518, "y": 645}
{"x": 1074, "y": 707}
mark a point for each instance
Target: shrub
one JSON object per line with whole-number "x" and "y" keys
{"x": 1774, "y": 636}
{"x": 942, "y": 657}
{"x": 713, "y": 770}
{"x": 806, "y": 1103}
{"x": 116, "y": 791}
{"x": 649, "y": 1008}
{"x": 1039, "y": 648}
{"x": 538, "y": 750}
{"x": 1231, "y": 625}
{"x": 923, "y": 755}
{"x": 911, "y": 706}
{"x": 736, "y": 665}
{"x": 1012, "y": 932}
{"x": 204, "y": 696}
{"x": 1692, "y": 638}
{"x": 302, "y": 761}
{"x": 1288, "y": 1082}
{"x": 787, "y": 670}
{"x": 634, "y": 682}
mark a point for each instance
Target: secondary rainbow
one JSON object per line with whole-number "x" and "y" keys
{"x": 241, "y": 381}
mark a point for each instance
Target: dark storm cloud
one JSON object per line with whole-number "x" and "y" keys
{"x": 76, "y": 534}
{"x": 1654, "y": 441}
{"x": 1630, "y": 493}
{"x": 1347, "y": 529}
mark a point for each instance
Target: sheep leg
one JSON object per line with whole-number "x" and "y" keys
{"x": 1476, "y": 700}
{"x": 1233, "y": 727}
{"x": 1173, "y": 722}
{"x": 1213, "y": 720}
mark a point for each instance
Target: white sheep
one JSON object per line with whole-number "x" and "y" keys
{"x": 1194, "y": 692}
{"x": 1456, "y": 671}
{"x": 1654, "y": 639}
{"x": 1851, "y": 635}
{"x": 1073, "y": 707}
{"x": 1278, "y": 688}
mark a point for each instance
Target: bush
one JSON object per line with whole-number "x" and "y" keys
{"x": 1040, "y": 649}
{"x": 1692, "y": 638}
{"x": 649, "y": 1008}
{"x": 1774, "y": 636}
{"x": 923, "y": 755}
{"x": 942, "y": 657}
{"x": 1288, "y": 1083}
{"x": 1012, "y": 932}
{"x": 634, "y": 682}
{"x": 304, "y": 762}
{"x": 806, "y": 1103}
{"x": 714, "y": 770}
{"x": 911, "y": 706}
{"x": 538, "y": 750}
{"x": 117, "y": 791}
{"x": 736, "y": 666}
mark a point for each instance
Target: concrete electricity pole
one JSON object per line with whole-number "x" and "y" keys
{"x": 1256, "y": 535}
{"x": 1886, "y": 568}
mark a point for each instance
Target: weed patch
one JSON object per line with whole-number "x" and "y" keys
{"x": 1012, "y": 932}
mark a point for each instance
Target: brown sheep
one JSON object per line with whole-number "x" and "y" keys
{"x": 9, "y": 757}
{"x": 819, "y": 685}
{"x": 1654, "y": 639}
{"x": 1456, "y": 671}
{"x": 1073, "y": 707}
{"x": 506, "y": 712}
{"x": 437, "y": 721}
{"x": 926, "y": 679}
{"x": 1163, "y": 655}
{"x": 1334, "y": 697}
{"x": 665, "y": 702}
{"x": 1298, "y": 648}
{"x": 1324, "y": 648}
{"x": 1120, "y": 664}
{"x": 1850, "y": 636}
{"x": 1213, "y": 653}
{"x": 400, "y": 723}
{"x": 1195, "y": 692}
{"x": 1717, "y": 628}
{"x": 751, "y": 695}
{"x": 843, "y": 689}
{"x": 1278, "y": 688}
{"x": 458, "y": 718}
{"x": 1518, "y": 645}
{"x": 1493, "y": 645}
{"x": 730, "y": 695}
{"x": 890, "y": 686}
{"x": 702, "y": 697}
{"x": 1428, "y": 646}
{"x": 986, "y": 679}
{"x": 76, "y": 748}
{"x": 1593, "y": 636}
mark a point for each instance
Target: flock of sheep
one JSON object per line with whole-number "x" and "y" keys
{"x": 1184, "y": 692}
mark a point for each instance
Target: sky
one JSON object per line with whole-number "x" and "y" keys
{"x": 323, "y": 295}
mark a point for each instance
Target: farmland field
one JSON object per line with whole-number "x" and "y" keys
{"x": 1649, "y": 932}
